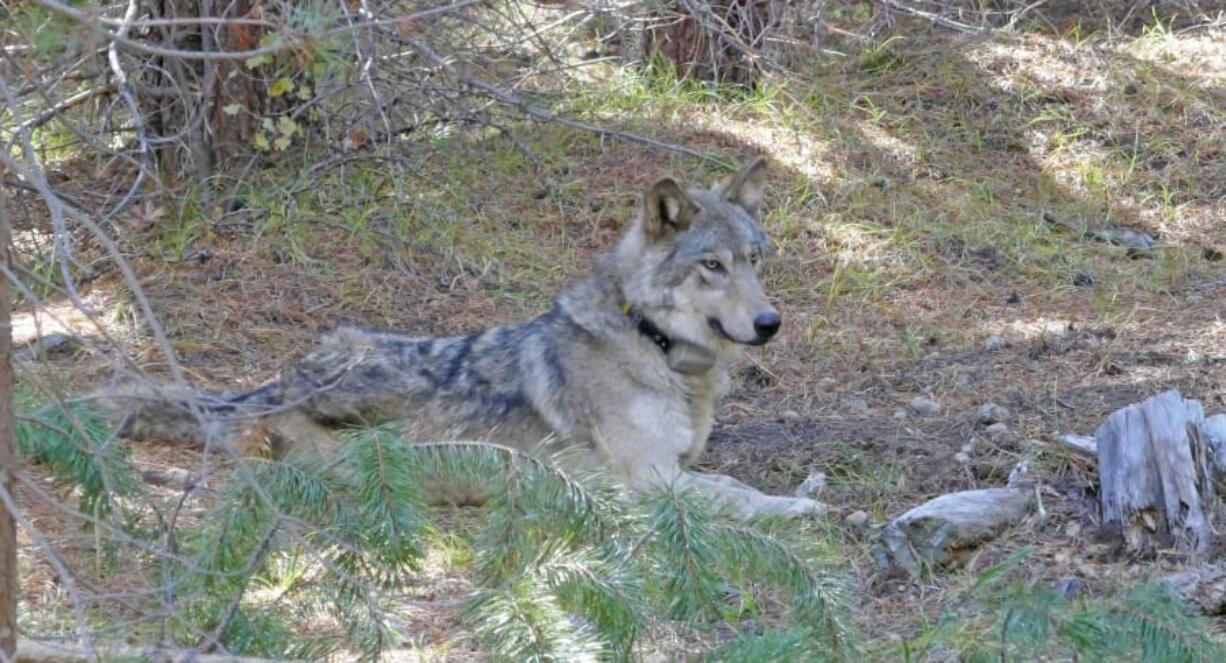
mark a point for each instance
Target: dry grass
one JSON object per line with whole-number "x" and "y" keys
{"x": 911, "y": 179}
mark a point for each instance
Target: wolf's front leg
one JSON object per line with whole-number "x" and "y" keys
{"x": 644, "y": 443}
{"x": 746, "y": 501}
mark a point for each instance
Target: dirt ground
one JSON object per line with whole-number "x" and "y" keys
{"x": 908, "y": 200}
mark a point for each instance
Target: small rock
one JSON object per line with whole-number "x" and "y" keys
{"x": 1014, "y": 298}
{"x": 1070, "y": 587}
{"x": 790, "y": 415}
{"x": 900, "y": 414}
{"x": 990, "y": 413}
{"x": 812, "y": 486}
{"x": 924, "y": 406}
{"x": 1083, "y": 279}
{"x": 1082, "y": 444}
{"x": 962, "y": 457}
{"x": 826, "y": 384}
{"x": 995, "y": 342}
{"x": 857, "y": 518}
{"x": 962, "y": 380}
{"x": 969, "y": 447}
{"x": 998, "y": 432}
{"x": 858, "y": 405}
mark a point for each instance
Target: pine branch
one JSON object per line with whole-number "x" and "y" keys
{"x": 685, "y": 555}
{"x": 387, "y": 477}
{"x": 603, "y": 587}
{"x": 818, "y": 602}
{"x": 792, "y": 645}
{"x": 572, "y": 569}
{"x": 75, "y": 444}
{"x": 524, "y": 622}
{"x": 1161, "y": 628}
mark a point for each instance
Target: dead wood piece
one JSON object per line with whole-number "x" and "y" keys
{"x": 1202, "y": 587}
{"x": 1154, "y": 468}
{"x": 1138, "y": 243}
{"x": 936, "y": 532}
{"x": 175, "y": 478}
{"x": 1214, "y": 432}
{"x": 1129, "y": 239}
{"x": 49, "y": 345}
{"x": 1082, "y": 444}
{"x": 36, "y": 651}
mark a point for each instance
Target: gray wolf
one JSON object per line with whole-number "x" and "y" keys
{"x": 627, "y": 366}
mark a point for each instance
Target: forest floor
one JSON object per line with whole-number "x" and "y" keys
{"x": 921, "y": 194}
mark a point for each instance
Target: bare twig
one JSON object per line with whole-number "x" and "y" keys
{"x": 931, "y": 16}
{"x": 288, "y": 41}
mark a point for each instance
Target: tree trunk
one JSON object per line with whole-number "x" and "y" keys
{"x": 8, "y": 452}
{"x": 1156, "y": 474}
{"x": 711, "y": 40}
{"x": 197, "y": 134}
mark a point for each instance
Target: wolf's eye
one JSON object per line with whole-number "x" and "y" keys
{"x": 713, "y": 265}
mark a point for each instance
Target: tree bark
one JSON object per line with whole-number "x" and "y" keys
{"x": 713, "y": 40}
{"x": 1156, "y": 474}
{"x": 8, "y": 451}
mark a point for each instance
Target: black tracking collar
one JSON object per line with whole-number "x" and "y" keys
{"x": 648, "y": 328}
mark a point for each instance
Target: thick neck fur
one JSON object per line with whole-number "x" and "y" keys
{"x": 629, "y": 273}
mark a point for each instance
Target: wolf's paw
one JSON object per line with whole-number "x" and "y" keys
{"x": 802, "y": 507}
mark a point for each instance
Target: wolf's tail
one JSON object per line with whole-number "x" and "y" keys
{"x": 189, "y": 416}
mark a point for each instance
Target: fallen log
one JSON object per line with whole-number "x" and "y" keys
{"x": 41, "y": 651}
{"x": 937, "y": 532}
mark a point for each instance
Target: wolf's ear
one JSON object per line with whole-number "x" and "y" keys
{"x": 748, "y": 186}
{"x": 667, "y": 209}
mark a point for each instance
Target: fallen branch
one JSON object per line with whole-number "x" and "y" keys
{"x": 67, "y": 104}
{"x": 935, "y": 18}
{"x": 36, "y": 651}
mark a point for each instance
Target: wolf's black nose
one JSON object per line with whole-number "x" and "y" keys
{"x": 766, "y": 324}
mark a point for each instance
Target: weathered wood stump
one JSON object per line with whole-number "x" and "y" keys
{"x": 1155, "y": 469}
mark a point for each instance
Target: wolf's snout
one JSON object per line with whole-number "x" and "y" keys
{"x": 766, "y": 324}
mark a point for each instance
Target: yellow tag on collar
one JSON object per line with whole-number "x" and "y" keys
{"x": 626, "y": 307}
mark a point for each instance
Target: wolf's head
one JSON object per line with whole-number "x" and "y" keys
{"x": 692, "y": 261}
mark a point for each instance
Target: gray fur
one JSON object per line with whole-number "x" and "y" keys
{"x": 581, "y": 372}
